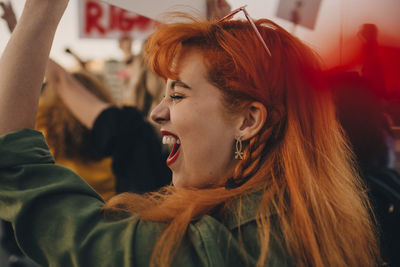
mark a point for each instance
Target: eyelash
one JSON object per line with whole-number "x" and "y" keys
{"x": 176, "y": 97}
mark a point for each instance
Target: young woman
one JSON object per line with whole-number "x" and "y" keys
{"x": 262, "y": 175}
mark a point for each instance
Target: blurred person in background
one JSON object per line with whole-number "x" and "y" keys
{"x": 70, "y": 141}
{"x": 371, "y": 138}
{"x": 119, "y": 132}
{"x": 371, "y": 67}
{"x": 125, "y": 44}
{"x": 144, "y": 89}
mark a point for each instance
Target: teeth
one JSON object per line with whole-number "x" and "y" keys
{"x": 170, "y": 140}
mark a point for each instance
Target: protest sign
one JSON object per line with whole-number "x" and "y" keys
{"x": 101, "y": 20}
{"x": 154, "y": 9}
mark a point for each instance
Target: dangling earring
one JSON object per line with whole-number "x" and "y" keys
{"x": 239, "y": 147}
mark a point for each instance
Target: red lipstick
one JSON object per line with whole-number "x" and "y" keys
{"x": 173, "y": 156}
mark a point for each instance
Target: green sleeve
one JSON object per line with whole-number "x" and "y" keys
{"x": 57, "y": 217}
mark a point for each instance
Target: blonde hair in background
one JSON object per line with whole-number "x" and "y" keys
{"x": 145, "y": 88}
{"x": 66, "y": 136}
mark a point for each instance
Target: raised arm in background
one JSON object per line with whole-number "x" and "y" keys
{"x": 84, "y": 105}
{"x": 23, "y": 63}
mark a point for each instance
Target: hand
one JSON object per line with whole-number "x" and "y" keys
{"x": 9, "y": 15}
{"x": 217, "y": 9}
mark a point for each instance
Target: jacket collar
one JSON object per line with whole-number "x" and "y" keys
{"x": 245, "y": 205}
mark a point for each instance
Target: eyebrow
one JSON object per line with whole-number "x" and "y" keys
{"x": 180, "y": 84}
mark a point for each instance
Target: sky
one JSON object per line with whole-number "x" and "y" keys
{"x": 333, "y": 36}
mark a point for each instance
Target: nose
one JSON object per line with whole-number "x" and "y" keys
{"x": 160, "y": 114}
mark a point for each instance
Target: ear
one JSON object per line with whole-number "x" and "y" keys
{"x": 252, "y": 120}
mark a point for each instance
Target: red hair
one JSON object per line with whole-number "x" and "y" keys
{"x": 299, "y": 159}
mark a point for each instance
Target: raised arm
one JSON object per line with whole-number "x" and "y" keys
{"x": 23, "y": 63}
{"x": 84, "y": 105}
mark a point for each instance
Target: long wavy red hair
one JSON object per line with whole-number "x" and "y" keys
{"x": 300, "y": 159}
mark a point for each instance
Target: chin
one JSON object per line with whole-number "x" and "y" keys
{"x": 180, "y": 182}
{"x": 176, "y": 181}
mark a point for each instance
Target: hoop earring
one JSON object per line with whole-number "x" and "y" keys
{"x": 239, "y": 148}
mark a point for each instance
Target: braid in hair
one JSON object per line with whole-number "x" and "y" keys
{"x": 254, "y": 151}
{"x": 252, "y": 159}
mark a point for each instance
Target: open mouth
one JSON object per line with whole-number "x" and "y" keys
{"x": 173, "y": 141}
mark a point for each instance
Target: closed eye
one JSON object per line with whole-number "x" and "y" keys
{"x": 176, "y": 97}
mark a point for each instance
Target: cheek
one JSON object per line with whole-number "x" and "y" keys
{"x": 202, "y": 124}
{"x": 196, "y": 120}
{"x": 204, "y": 133}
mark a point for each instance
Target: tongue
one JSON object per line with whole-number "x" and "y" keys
{"x": 174, "y": 150}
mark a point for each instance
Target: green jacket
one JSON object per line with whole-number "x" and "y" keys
{"x": 58, "y": 220}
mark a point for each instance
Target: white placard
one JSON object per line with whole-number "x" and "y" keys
{"x": 100, "y": 20}
{"x": 155, "y": 9}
